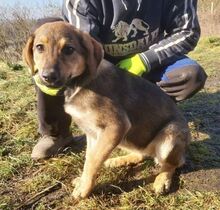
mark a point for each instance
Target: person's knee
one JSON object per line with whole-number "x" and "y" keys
{"x": 183, "y": 82}
{"x": 42, "y": 21}
{"x": 195, "y": 78}
{"x": 199, "y": 75}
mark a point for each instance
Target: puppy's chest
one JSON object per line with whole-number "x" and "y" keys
{"x": 84, "y": 118}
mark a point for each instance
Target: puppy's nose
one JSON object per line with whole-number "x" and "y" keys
{"x": 50, "y": 76}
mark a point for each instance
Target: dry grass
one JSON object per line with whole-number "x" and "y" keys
{"x": 14, "y": 31}
{"x": 209, "y": 16}
{"x": 16, "y": 24}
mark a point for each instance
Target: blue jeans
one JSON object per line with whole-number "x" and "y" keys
{"x": 160, "y": 74}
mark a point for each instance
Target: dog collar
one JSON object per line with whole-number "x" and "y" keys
{"x": 44, "y": 88}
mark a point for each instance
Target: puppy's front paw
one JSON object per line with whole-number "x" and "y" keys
{"x": 76, "y": 181}
{"x": 162, "y": 184}
{"x": 81, "y": 190}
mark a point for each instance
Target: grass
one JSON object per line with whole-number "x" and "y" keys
{"x": 123, "y": 188}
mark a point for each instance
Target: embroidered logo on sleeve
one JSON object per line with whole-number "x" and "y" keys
{"x": 123, "y": 30}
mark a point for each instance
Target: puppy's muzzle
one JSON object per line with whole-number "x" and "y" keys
{"x": 51, "y": 77}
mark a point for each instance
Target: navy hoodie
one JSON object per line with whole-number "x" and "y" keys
{"x": 161, "y": 31}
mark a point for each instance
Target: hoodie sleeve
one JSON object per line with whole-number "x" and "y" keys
{"x": 182, "y": 31}
{"x": 82, "y": 15}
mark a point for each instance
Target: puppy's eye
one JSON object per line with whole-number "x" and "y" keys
{"x": 68, "y": 50}
{"x": 40, "y": 48}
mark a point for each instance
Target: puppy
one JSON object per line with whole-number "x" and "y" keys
{"x": 113, "y": 107}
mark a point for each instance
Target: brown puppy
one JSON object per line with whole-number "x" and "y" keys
{"x": 112, "y": 107}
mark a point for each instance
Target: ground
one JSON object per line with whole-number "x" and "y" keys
{"x": 25, "y": 184}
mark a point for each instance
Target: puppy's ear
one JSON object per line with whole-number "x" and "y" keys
{"x": 95, "y": 53}
{"x": 28, "y": 54}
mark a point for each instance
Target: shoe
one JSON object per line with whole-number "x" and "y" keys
{"x": 48, "y": 146}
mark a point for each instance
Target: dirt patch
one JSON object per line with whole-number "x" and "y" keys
{"x": 202, "y": 180}
{"x": 202, "y": 169}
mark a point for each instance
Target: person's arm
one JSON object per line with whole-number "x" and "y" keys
{"x": 182, "y": 34}
{"x": 83, "y": 15}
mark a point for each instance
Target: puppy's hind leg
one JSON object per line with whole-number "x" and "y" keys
{"x": 130, "y": 159}
{"x": 170, "y": 154}
{"x": 163, "y": 181}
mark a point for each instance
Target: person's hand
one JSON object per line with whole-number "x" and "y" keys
{"x": 133, "y": 64}
{"x": 183, "y": 83}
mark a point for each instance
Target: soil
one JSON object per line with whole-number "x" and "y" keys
{"x": 202, "y": 169}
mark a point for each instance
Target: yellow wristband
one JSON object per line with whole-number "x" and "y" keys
{"x": 134, "y": 65}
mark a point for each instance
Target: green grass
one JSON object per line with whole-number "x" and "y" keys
{"x": 122, "y": 188}
{"x": 207, "y": 54}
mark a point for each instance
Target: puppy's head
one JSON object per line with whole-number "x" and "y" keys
{"x": 60, "y": 52}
